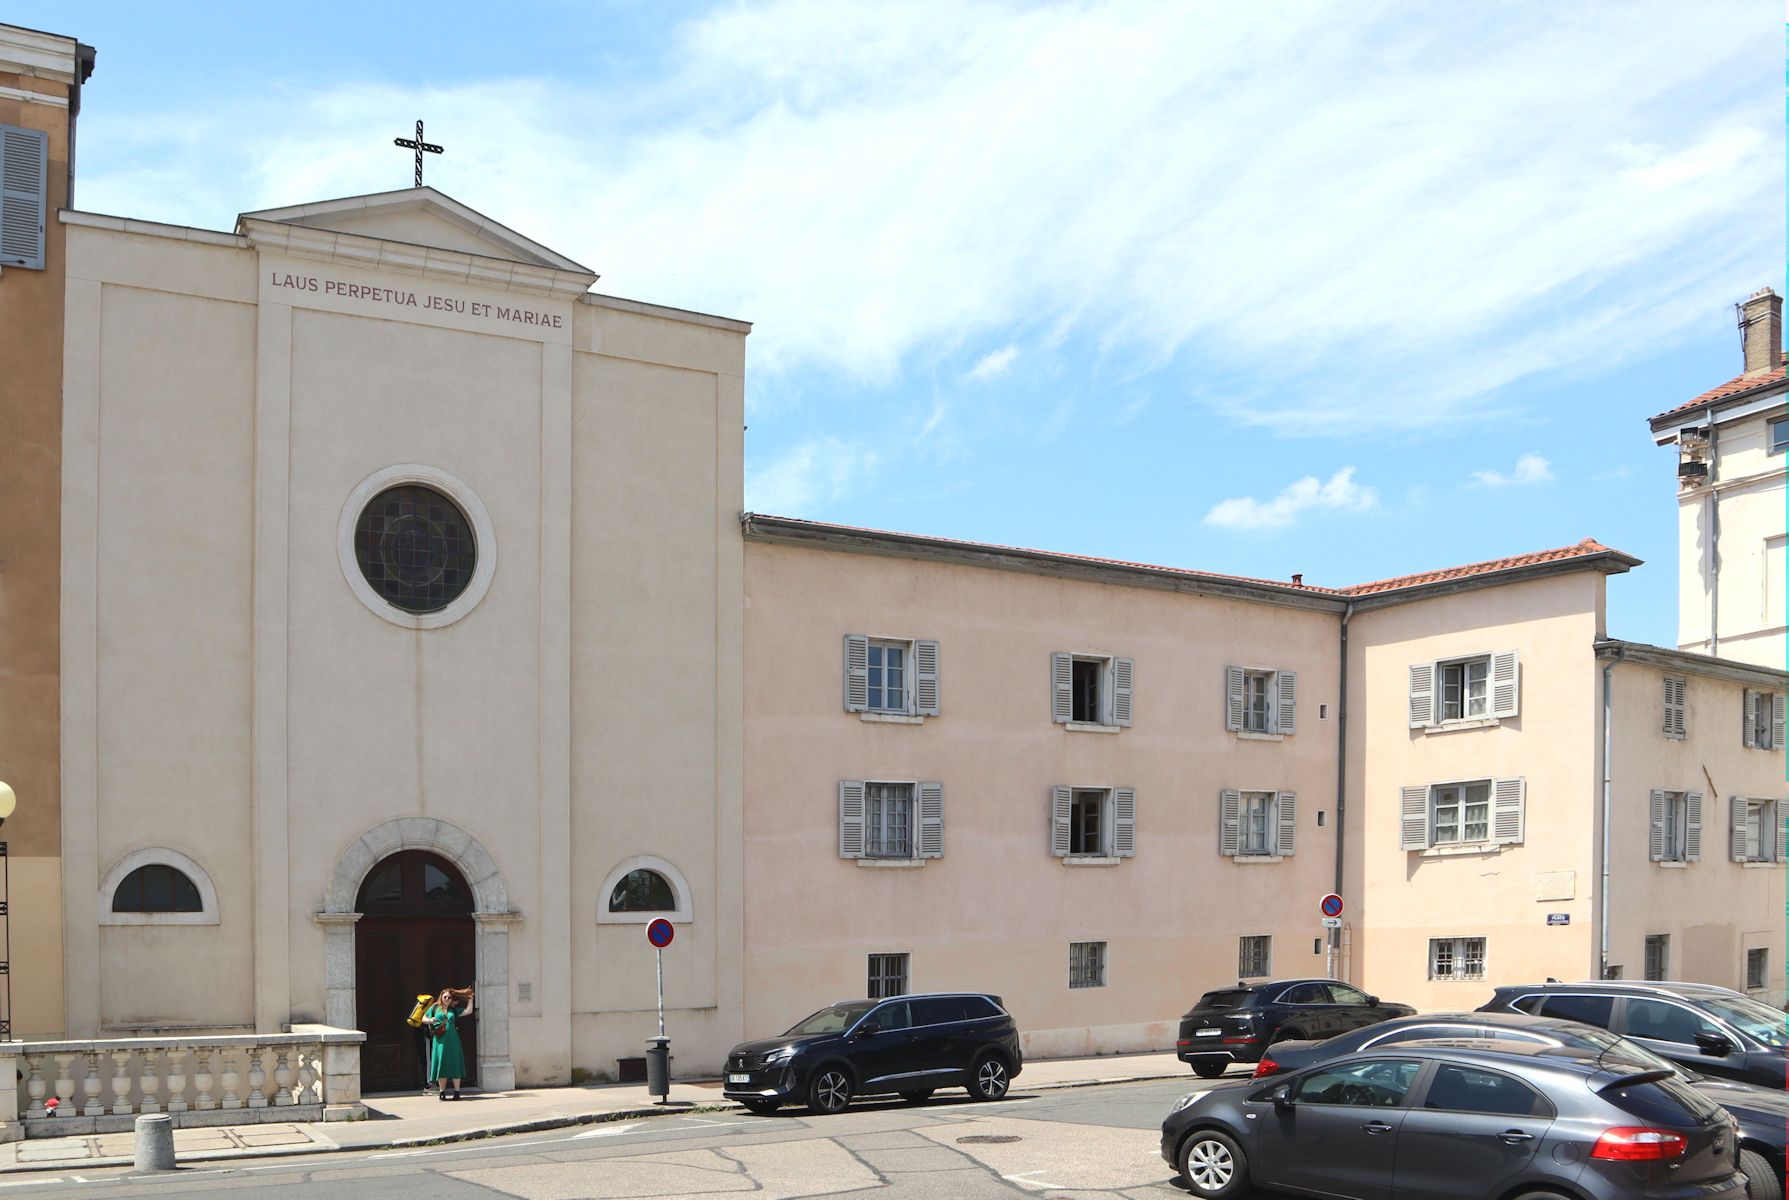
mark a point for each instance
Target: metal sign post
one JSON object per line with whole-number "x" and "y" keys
{"x": 658, "y": 1050}
{"x": 1331, "y": 908}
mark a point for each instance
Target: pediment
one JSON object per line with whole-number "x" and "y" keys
{"x": 419, "y": 217}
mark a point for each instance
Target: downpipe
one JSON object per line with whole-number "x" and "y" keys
{"x": 1602, "y": 932}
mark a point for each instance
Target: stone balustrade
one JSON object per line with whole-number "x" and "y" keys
{"x": 310, "y": 1074}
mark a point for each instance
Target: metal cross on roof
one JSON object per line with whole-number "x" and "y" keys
{"x": 419, "y": 146}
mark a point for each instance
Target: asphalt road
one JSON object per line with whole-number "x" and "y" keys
{"x": 1074, "y": 1142}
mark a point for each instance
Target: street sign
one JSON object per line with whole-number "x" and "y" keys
{"x": 660, "y": 933}
{"x": 1559, "y": 918}
{"x": 1332, "y": 922}
{"x": 1331, "y": 906}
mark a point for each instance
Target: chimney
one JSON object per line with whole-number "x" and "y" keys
{"x": 1761, "y": 331}
{"x": 1298, "y": 581}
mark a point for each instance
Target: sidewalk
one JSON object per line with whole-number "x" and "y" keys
{"x": 399, "y": 1121}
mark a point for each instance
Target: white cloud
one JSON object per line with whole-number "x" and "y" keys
{"x": 808, "y": 476}
{"x": 993, "y": 364}
{"x": 1530, "y": 468}
{"x": 1340, "y": 493}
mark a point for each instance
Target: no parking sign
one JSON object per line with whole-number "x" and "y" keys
{"x": 660, "y": 932}
{"x": 1331, "y": 905}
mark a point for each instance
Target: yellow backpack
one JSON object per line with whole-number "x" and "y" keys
{"x": 414, "y": 1020}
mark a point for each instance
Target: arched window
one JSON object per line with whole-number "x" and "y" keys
{"x": 642, "y": 889}
{"x": 157, "y": 886}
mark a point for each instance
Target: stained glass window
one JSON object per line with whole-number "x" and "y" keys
{"x": 415, "y": 547}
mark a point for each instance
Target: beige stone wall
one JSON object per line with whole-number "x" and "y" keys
{"x": 997, "y": 912}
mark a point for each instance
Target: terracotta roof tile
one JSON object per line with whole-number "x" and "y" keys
{"x": 1589, "y": 547}
{"x": 1733, "y": 389}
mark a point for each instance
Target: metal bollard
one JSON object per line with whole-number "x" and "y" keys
{"x": 155, "y": 1142}
{"x": 658, "y": 1067}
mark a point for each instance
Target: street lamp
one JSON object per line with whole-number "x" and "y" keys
{"x": 8, "y": 802}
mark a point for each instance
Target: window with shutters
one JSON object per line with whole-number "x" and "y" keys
{"x": 891, "y": 677}
{"x": 1756, "y": 835}
{"x": 888, "y": 820}
{"x": 1257, "y": 825}
{"x": 1086, "y": 964}
{"x": 1465, "y": 688}
{"x": 1258, "y": 820}
{"x": 24, "y": 184}
{"x": 1658, "y": 956}
{"x": 1260, "y": 701}
{"x": 1254, "y": 956}
{"x": 1257, "y": 701}
{"x": 1466, "y": 816}
{"x": 1757, "y": 969}
{"x": 1090, "y": 691}
{"x": 1763, "y": 720}
{"x": 888, "y": 677}
{"x": 888, "y": 975}
{"x": 1093, "y": 825}
{"x": 1462, "y": 812}
{"x": 1675, "y": 723}
{"x": 1470, "y": 690}
{"x": 1672, "y": 817}
{"x": 1457, "y": 958}
{"x": 1088, "y": 824}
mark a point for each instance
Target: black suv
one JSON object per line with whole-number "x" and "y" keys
{"x": 907, "y": 1046}
{"x": 1712, "y": 1030}
{"x": 1237, "y": 1024}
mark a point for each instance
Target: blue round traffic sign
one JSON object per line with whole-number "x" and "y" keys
{"x": 1331, "y": 905}
{"x": 660, "y": 933}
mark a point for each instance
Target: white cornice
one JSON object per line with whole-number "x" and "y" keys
{"x": 45, "y": 55}
{"x": 689, "y": 316}
{"x": 12, "y": 93}
{"x": 433, "y": 262}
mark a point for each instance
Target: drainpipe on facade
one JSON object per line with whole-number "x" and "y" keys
{"x": 1714, "y": 538}
{"x": 1335, "y": 935}
{"x": 1602, "y": 935}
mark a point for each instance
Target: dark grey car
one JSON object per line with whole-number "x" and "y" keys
{"x": 1474, "y": 1120}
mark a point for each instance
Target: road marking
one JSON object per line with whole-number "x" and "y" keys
{"x": 1025, "y": 1180}
{"x": 397, "y": 1154}
{"x": 605, "y": 1131}
{"x": 36, "y": 1182}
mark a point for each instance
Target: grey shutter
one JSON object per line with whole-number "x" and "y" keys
{"x": 1061, "y": 812}
{"x": 1062, "y": 688}
{"x": 1692, "y": 827}
{"x": 1422, "y": 696}
{"x": 1776, "y": 831}
{"x": 1229, "y": 823}
{"x": 1122, "y": 670}
{"x": 1233, "y": 698}
{"x": 857, "y": 673}
{"x": 931, "y": 820}
{"x": 1740, "y": 849}
{"x": 1506, "y": 684}
{"x": 24, "y": 185}
{"x": 1124, "y": 822}
{"x": 1286, "y": 836}
{"x": 1776, "y": 721}
{"x": 925, "y": 678}
{"x": 1508, "y": 800}
{"x": 1674, "y": 702}
{"x": 1655, "y": 840}
{"x": 850, "y": 818}
{"x": 1413, "y": 815}
{"x": 1286, "y": 712}
{"x": 1749, "y": 738}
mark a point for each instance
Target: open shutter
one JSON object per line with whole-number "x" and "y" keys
{"x": 1286, "y": 713}
{"x": 1741, "y": 849}
{"x": 1775, "y": 812}
{"x": 850, "y": 818}
{"x": 1286, "y": 835}
{"x": 1062, "y": 688}
{"x": 1692, "y": 827}
{"x": 1124, "y": 822}
{"x": 24, "y": 184}
{"x": 1061, "y": 813}
{"x": 1506, "y": 684}
{"x": 931, "y": 820}
{"x": 1750, "y": 737}
{"x": 925, "y": 678}
{"x": 1122, "y": 669}
{"x": 1413, "y": 815}
{"x": 1508, "y": 800}
{"x": 1233, "y": 699}
{"x": 1776, "y": 721}
{"x": 1422, "y": 696}
{"x": 1655, "y": 839}
{"x": 1229, "y": 823}
{"x": 857, "y": 673}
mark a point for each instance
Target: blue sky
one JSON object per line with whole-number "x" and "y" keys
{"x": 1347, "y": 290}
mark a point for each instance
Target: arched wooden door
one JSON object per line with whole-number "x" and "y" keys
{"x": 415, "y": 935}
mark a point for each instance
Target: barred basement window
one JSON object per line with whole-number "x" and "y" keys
{"x": 888, "y": 975}
{"x": 1253, "y": 956}
{"x": 1457, "y": 958}
{"x": 1658, "y": 955}
{"x": 1086, "y": 964}
{"x": 415, "y": 548}
{"x": 1757, "y": 969}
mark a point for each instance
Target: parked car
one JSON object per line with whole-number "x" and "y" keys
{"x": 1236, "y": 1024}
{"x": 1711, "y": 1030}
{"x": 1762, "y": 1113}
{"x": 907, "y": 1046}
{"x": 1468, "y": 1120}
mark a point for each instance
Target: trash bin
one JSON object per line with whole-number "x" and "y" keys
{"x": 658, "y": 1067}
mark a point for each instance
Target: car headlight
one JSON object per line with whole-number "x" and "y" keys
{"x": 780, "y": 1058}
{"x": 1184, "y": 1102}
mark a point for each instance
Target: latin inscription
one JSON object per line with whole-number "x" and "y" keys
{"x": 403, "y": 298}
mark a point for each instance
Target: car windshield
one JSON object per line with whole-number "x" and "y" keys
{"x": 836, "y": 1019}
{"x": 1750, "y": 1016}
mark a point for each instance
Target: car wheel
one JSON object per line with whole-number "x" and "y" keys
{"x": 918, "y": 1096}
{"x": 830, "y": 1091}
{"x": 1213, "y": 1165}
{"x": 762, "y": 1107}
{"x": 1761, "y": 1181}
{"x": 1209, "y": 1070}
{"x": 989, "y": 1079}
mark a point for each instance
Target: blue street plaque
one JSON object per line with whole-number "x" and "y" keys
{"x": 1559, "y": 918}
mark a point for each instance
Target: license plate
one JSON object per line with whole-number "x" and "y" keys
{"x": 739, "y": 1079}
{"x": 1207, "y": 1032}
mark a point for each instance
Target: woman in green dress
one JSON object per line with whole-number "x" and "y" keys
{"x": 447, "y": 1059}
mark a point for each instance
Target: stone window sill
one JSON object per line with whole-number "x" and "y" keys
{"x": 1249, "y": 735}
{"x": 894, "y": 863}
{"x": 1457, "y": 726}
{"x": 1089, "y": 727}
{"x": 1245, "y": 859}
{"x": 1089, "y": 860}
{"x": 1459, "y": 851}
{"x": 1671, "y": 864}
{"x": 882, "y": 718}
{"x": 1762, "y": 866}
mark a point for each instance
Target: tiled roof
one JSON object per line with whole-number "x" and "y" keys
{"x": 1733, "y": 389}
{"x": 1587, "y": 548}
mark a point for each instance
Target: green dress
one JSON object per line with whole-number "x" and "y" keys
{"x": 446, "y": 1058}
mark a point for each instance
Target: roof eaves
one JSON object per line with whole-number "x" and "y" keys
{"x": 1496, "y": 573}
{"x": 1691, "y": 663}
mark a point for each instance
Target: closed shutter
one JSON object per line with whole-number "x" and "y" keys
{"x": 1124, "y": 822}
{"x": 1413, "y": 817}
{"x": 1229, "y": 823}
{"x": 1506, "y": 683}
{"x": 857, "y": 672}
{"x": 1234, "y": 680}
{"x": 1286, "y": 714}
{"x": 1692, "y": 827}
{"x": 1750, "y": 738}
{"x": 1062, "y": 688}
{"x": 1741, "y": 848}
{"x": 925, "y": 678}
{"x": 931, "y": 820}
{"x": 1655, "y": 839}
{"x": 24, "y": 184}
{"x": 1776, "y": 722}
{"x": 1286, "y": 835}
{"x": 1508, "y": 800}
{"x": 1422, "y": 694}
{"x": 1062, "y": 802}
{"x": 850, "y": 818}
{"x": 1674, "y": 703}
{"x": 1122, "y": 670}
